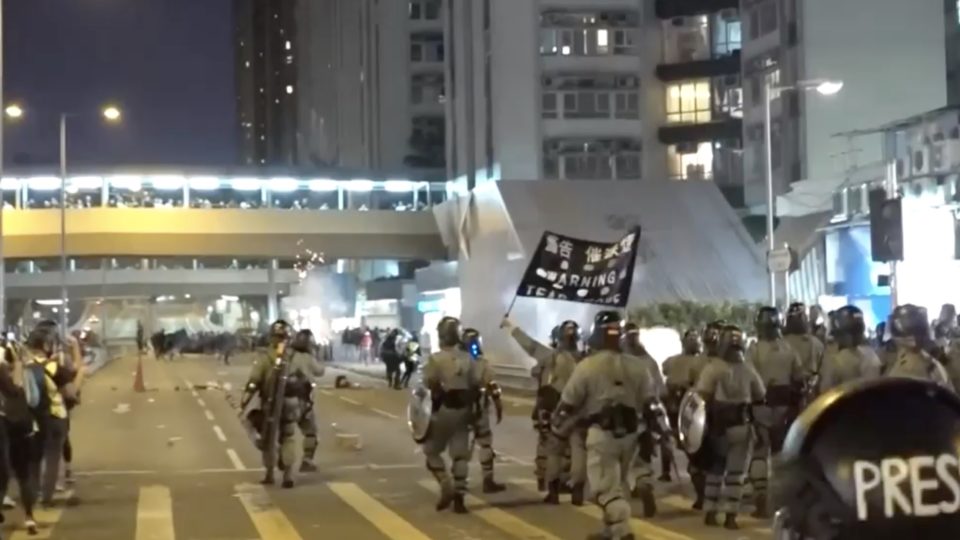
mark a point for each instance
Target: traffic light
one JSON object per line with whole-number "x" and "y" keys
{"x": 886, "y": 227}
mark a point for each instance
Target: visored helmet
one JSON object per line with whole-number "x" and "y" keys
{"x": 797, "y": 321}
{"x": 849, "y": 328}
{"x": 607, "y": 330}
{"x": 448, "y": 331}
{"x": 472, "y": 342}
{"x": 769, "y": 322}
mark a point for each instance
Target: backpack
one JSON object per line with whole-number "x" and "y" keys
{"x": 38, "y": 400}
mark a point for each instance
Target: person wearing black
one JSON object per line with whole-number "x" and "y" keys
{"x": 411, "y": 359}
{"x": 390, "y": 355}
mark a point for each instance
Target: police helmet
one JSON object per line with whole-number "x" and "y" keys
{"x": 303, "y": 341}
{"x": 472, "y": 342}
{"x": 691, "y": 342}
{"x": 631, "y": 338}
{"x": 448, "y": 331}
{"x": 910, "y": 321}
{"x": 607, "y": 330}
{"x": 849, "y": 474}
{"x": 849, "y": 328}
{"x": 711, "y": 336}
{"x": 731, "y": 342}
{"x": 796, "y": 322}
{"x": 555, "y": 336}
{"x": 568, "y": 334}
{"x": 768, "y": 322}
{"x": 280, "y": 329}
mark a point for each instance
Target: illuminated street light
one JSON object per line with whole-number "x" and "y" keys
{"x": 14, "y": 111}
{"x": 829, "y": 88}
{"x": 111, "y": 113}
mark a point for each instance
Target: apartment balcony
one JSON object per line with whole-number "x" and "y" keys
{"x": 619, "y": 63}
{"x": 716, "y": 129}
{"x": 591, "y": 128}
{"x": 699, "y": 68}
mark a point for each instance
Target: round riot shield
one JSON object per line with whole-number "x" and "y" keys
{"x": 692, "y": 422}
{"x": 419, "y": 410}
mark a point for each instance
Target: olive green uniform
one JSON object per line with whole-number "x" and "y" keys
{"x": 841, "y": 366}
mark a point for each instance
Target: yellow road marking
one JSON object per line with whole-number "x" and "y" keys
{"x": 46, "y": 521}
{"x": 155, "y": 514}
{"x": 381, "y": 517}
{"x": 271, "y": 523}
{"x": 684, "y": 503}
{"x": 641, "y": 528}
{"x": 509, "y": 524}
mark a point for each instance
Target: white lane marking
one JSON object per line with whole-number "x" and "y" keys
{"x": 208, "y": 414}
{"x": 235, "y": 459}
{"x": 517, "y": 461}
{"x": 219, "y": 432}
{"x": 189, "y": 384}
{"x": 384, "y": 413}
{"x": 201, "y": 402}
{"x": 350, "y": 401}
{"x": 326, "y": 392}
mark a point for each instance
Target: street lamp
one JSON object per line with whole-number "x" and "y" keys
{"x": 111, "y": 114}
{"x": 13, "y": 111}
{"x": 825, "y": 87}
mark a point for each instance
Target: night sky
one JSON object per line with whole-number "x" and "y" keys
{"x": 167, "y": 63}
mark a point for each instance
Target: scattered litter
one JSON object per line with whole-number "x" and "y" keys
{"x": 212, "y": 385}
{"x": 227, "y": 387}
{"x": 347, "y": 441}
{"x": 199, "y": 387}
{"x": 151, "y": 400}
{"x": 173, "y": 440}
{"x": 122, "y": 408}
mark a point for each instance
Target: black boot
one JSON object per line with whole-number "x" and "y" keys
{"x": 565, "y": 488}
{"x": 459, "y": 506}
{"x": 576, "y": 494}
{"x": 268, "y": 480}
{"x": 645, "y": 493}
{"x": 541, "y": 485}
{"x": 492, "y": 486}
{"x": 731, "y": 523}
{"x": 553, "y": 492}
{"x": 761, "y": 511}
{"x": 710, "y": 520}
{"x": 446, "y": 499}
{"x": 308, "y": 466}
{"x": 698, "y": 487}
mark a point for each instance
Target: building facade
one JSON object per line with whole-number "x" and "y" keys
{"x": 266, "y": 81}
{"x": 786, "y": 42}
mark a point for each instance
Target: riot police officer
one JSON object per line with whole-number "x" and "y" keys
{"x": 279, "y": 410}
{"x": 651, "y": 429}
{"x": 853, "y": 358}
{"x": 303, "y": 373}
{"x": 608, "y": 390}
{"x": 453, "y": 382}
{"x": 731, "y": 387}
{"x": 698, "y": 462}
{"x": 556, "y": 367}
{"x": 857, "y": 466}
{"x": 911, "y": 333}
{"x": 796, "y": 332}
{"x": 783, "y": 376}
{"x": 490, "y": 394}
{"x": 679, "y": 372}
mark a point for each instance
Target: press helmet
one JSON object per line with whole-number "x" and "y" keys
{"x": 854, "y": 464}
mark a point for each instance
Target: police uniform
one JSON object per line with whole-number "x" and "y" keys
{"x": 850, "y": 358}
{"x": 796, "y": 332}
{"x": 911, "y": 332}
{"x": 783, "y": 376}
{"x": 263, "y": 381}
{"x": 858, "y": 465}
{"x": 643, "y": 465}
{"x": 304, "y": 371}
{"x": 490, "y": 399}
{"x": 556, "y": 366}
{"x": 608, "y": 390}
{"x": 730, "y": 386}
{"x": 452, "y": 379}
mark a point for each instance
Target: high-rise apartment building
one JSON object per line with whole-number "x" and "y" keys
{"x": 889, "y": 55}
{"x": 266, "y": 81}
{"x": 372, "y": 85}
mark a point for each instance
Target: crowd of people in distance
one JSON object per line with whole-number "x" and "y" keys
{"x": 223, "y": 345}
{"x": 399, "y": 350}
{"x": 148, "y": 199}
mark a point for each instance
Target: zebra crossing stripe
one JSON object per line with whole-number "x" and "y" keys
{"x": 155, "y": 514}
{"x": 385, "y": 520}
{"x": 269, "y": 521}
{"x": 510, "y": 525}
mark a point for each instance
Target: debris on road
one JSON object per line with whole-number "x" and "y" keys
{"x": 122, "y": 408}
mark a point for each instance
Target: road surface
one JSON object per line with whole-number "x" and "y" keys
{"x": 175, "y": 463}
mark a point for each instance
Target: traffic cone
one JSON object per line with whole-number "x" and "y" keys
{"x": 138, "y": 385}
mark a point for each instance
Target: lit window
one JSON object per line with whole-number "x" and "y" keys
{"x": 690, "y": 161}
{"x": 603, "y": 41}
{"x": 288, "y": 45}
{"x": 246, "y": 64}
{"x": 289, "y": 88}
{"x": 689, "y": 102}
{"x": 565, "y": 50}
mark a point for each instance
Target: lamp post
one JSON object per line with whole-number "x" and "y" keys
{"x": 110, "y": 114}
{"x": 822, "y": 86}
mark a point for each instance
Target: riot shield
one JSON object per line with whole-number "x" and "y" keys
{"x": 692, "y": 422}
{"x": 419, "y": 411}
